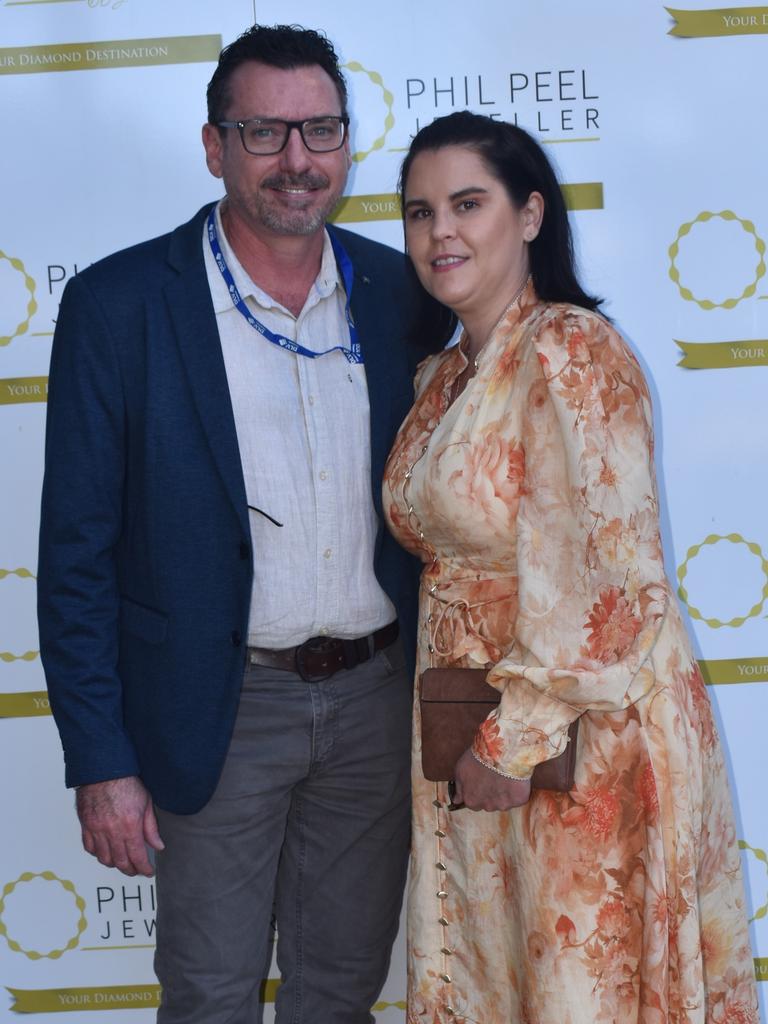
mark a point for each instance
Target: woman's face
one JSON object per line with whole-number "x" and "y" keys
{"x": 467, "y": 239}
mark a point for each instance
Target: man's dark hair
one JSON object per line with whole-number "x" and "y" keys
{"x": 515, "y": 159}
{"x": 279, "y": 46}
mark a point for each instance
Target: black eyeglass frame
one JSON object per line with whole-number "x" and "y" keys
{"x": 341, "y": 119}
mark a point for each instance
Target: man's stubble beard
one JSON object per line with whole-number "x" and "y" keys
{"x": 265, "y": 210}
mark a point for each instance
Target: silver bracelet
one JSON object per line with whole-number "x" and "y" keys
{"x": 491, "y": 768}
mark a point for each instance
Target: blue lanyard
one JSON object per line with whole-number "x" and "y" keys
{"x": 353, "y": 353}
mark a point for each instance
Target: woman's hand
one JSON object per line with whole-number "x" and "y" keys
{"x": 481, "y": 789}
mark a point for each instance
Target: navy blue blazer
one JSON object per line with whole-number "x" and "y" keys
{"x": 145, "y": 566}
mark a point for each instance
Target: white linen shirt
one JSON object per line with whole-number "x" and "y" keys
{"x": 303, "y": 430}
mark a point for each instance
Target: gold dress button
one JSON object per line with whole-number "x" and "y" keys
{"x": 430, "y": 648}
{"x": 443, "y": 921}
{"x": 446, "y": 951}
{"x": 424, "y": 448}
{"x": 441, "y": 894}
{"x": 440, "y": 834}
{"x": 436, "y": 803}
{"x": 440, "y": 866}
{"x": 446, "y": 978}
{"x": 450, "y": 1010}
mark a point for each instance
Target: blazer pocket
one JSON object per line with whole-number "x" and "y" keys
{"x": 142, "y": 622}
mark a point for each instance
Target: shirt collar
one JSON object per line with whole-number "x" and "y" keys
{"x": 326, "y": 282}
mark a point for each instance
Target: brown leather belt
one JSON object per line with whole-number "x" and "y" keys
{"x": 320, "y": 656}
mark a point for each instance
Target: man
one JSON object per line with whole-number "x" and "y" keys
{"x": 219, "y": 603}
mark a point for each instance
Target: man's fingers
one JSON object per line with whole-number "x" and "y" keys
{"x": 151, "y": 831}
{"x": 102, "y": 850}
{"x": 89, "y": 843}
{"x": 116, "y": 815}
{"x": 134, "y": 859}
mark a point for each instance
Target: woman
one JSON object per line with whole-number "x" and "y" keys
{"x": 523, "y": 478}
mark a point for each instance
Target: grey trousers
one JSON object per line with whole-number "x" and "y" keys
{"x": 311, "y": 817}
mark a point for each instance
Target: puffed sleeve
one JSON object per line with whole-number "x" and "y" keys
{"x": 592, "y": 590}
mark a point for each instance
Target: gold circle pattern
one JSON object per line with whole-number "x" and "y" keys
{"x": 52, "y": 954}
{"x": 713, "y": 538}
{"x": 674, "y": 250}
{"x": 9, "y": 656}
{"x": 763, "y": 858}
{"x": 389, "y": 99}
{"x": 23, "y": 326}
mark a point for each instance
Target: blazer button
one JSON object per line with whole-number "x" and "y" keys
{"x": 236, "y": 638}
{"x": 245, "y": 551}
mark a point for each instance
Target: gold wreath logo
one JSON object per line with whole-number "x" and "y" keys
{"x": 763, "y": 858}
{"x": 23, "y": 326}
{"x": 713, "y": 538}
{"x": 51, "y": 954}
{"x": 749, "y": 289}
{"x": 8, "y": 656}
{"x": 389, "y": 99}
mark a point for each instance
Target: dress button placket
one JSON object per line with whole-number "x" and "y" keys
{"x": 441, "y": 891}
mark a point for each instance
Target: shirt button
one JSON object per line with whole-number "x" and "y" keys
{"x": 327, "y": 553}
{"x": 323, "y": 631}
{"x": 235, "y": 638}
{"x": 323, "y": 475}
{"x": 311, "y": 399}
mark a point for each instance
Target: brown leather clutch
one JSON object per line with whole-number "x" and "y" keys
{"x": 454, "y": 702}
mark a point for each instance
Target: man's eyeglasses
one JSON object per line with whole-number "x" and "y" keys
{"x": 266, "y": 136}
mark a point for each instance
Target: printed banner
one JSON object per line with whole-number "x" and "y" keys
{"x": 113, "y": 53}
{"x": 722, "y": 21}
{"x": 670, "y": 227}
{"x": 16, "y": 390}
{"x": 734, "y": 670}
{"x": 24, "y": 705}
{"x": 722, "y": 355}
{"x": 72, "y": 1000}
{"x": 386, "y": 205}
{"x": 358, "y": 209}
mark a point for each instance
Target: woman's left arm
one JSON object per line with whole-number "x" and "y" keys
{"x": 592, "y": 589}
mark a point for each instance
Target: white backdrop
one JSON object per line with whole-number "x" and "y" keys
{"x": 656, "y": 122}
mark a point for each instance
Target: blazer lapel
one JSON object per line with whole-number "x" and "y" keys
{"x": 194, "y": 325}
{"x": 389, "y": 387}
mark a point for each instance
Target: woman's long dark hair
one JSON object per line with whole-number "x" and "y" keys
{"x": 515, "y": 159}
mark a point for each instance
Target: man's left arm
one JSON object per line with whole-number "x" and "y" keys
{"x": 81, "y": 522}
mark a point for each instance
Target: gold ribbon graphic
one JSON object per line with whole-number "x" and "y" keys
{"x": 734, "y": 670}
{"x": 68, "y": 1000}
{"x": 110, "y": 53}
{"x": 584, "y": 195}
{"x": 17, "y": 390}
{"x": 722, "y": 355}
{"x": 722, "y": 21}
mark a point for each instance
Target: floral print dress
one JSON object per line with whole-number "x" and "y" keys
{"x": 532, "y": 502}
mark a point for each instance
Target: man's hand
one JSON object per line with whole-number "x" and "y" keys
{"x": 481, "y": 789}
{"x": 118, "y": 823}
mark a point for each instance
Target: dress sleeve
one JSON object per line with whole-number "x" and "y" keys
{"x": 592, "y": 589}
